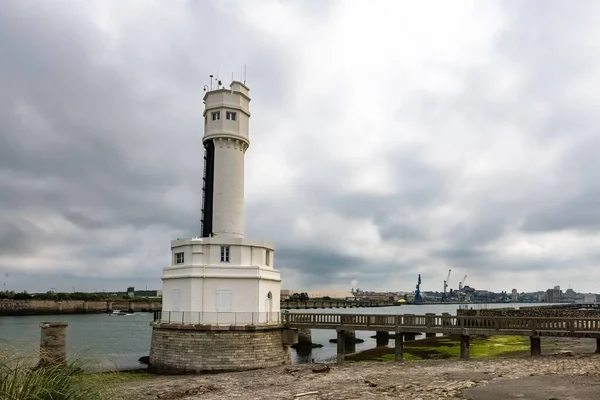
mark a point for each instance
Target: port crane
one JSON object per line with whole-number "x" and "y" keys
{"x": 418, "y": 297}
{"x": 461, "y": 284}
{"x": 446, "y": 285}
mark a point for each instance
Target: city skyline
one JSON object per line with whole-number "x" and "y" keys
{"x": 389, "y": 140}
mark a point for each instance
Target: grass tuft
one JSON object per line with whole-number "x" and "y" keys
{"x": 21, "y": 380}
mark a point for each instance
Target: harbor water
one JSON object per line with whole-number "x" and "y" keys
{"x": 102, "y": 342}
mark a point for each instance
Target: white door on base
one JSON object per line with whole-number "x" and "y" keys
{"x": 224, "y": 300}
{"x": 175, "y": 300}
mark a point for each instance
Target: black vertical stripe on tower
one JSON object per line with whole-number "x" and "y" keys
{"x": 208, "y": 188}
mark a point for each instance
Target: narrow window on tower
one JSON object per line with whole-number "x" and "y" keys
{"x": 179, "y": 258}
{"x": 216, "y": 116}
{"x": 230, "y": 115}
{"x": 268, "y": 260}
{"x": 224, "y": 253}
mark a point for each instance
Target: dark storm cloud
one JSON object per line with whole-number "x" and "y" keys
{"x": 100, "y": 142}
{"x": 84, "y": 142}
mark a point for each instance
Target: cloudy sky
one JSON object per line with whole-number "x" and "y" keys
{"x": 388, "y": 139}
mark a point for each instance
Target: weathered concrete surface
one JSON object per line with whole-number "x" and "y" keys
{"x": 538, "y": 388}
{"x": 425, "y": 380}
{"x": 53, "y": 344}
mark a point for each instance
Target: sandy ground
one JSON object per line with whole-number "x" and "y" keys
{"x": 570, "y": 375}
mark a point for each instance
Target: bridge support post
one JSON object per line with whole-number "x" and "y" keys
{"x": 597, "y": 345}
{"x": 446, "y": 321}
{"x": 382, "y": 338}
{"x": 536, "y": 346}
{"x": 304, "y": 337}
{"x": 399, "y": 346}
{"x": 465, "y": 349}
{"x": 430, "y": 321}
{"x": 341, "y": 346}
{"x": 349, "y": 342}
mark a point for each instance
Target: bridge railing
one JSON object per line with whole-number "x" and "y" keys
{"x": 443, "y": 322}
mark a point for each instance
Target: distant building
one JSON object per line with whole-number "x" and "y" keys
{"x": 148, "y": 293}
{"x": 590, "y": 298}
{"x": 130, "y": 291}
{"x": 554, "y": 295}
{"x": 315, "y": 294}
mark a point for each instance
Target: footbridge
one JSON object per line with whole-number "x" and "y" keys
{"x": 446, "y": 324}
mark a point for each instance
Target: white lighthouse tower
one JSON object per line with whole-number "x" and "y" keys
{"x": 221, "y": 277}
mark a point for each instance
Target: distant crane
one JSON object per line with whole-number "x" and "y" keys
{"x": 418, "y": 297}
{"x": 446, "y": 284}
{"x": 461, "y": 284}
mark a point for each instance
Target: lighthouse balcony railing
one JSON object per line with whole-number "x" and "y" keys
{"x": 217, "y": 318}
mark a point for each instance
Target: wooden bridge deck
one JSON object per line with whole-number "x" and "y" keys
{"x": 447, "y": 324}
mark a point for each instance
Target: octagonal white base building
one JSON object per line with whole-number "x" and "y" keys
{"x": 221, "y": 281}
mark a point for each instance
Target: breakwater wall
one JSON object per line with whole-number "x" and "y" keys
{"x": 559, "y": 311}
{"x": 54, "y": 307}
{"x": 301, "y": 305}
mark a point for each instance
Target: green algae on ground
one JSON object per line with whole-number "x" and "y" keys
{"x": 444, "y": 347}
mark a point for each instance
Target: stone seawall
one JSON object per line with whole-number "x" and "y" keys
{"x": 192, "y": 349}
{"x": 51, "y": 307}
{"x": 535, "y": 312}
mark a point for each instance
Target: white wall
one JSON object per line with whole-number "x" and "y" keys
{"x": 228, "y": 192}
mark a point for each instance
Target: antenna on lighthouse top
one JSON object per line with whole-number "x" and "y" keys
{"x": 244, "y": 74}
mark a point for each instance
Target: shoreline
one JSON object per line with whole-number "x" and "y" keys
{"x": 548, "y": 375}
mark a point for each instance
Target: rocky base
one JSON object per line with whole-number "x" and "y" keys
{"x": 196, "y": 349}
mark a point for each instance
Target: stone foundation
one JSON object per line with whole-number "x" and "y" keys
{"x": 196, "y": 349}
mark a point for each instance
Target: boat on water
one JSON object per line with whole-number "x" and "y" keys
{"x": 118, "y": 313}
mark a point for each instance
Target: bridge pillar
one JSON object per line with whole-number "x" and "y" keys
{"x": 350, "y": 342}
{"x": 536, "y": 346}
{"x": 446, "y": 321}
{"x": 465, "y": 348}
{"x": 399, "y": 346}
{"x": 341, "y": 346}
{"x": 597, "y": 345}
{"x": 430, "y": 322}
{"x": 304, "y": 337}
{"x": 382, "y": 338}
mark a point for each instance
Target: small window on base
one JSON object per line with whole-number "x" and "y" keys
{"x": 224, "y": 253}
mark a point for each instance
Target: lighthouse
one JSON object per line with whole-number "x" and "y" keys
{"x": 220, "y": 308}
{"x": 220, "y": 276}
